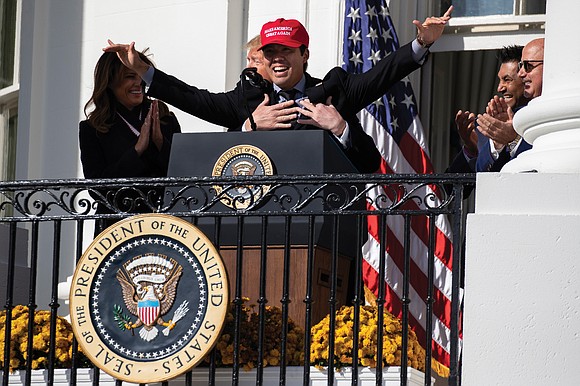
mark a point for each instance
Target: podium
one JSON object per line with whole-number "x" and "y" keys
{"x": 307, "y": 152}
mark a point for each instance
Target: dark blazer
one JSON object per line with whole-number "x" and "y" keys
{"x": 460, "y": 165}
{"x": 113, "y": 155}
{"x": 350, "y": 93}
{"x": 485, "y": 161}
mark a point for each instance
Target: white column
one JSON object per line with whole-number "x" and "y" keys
{"x": 522, "y": 288}
{"x": 522, "y": 282}
{"x": 551, "y": 122}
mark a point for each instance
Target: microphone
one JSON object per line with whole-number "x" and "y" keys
{"x": 255, "y": 79}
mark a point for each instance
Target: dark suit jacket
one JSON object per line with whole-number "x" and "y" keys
{"x": 350, "y": 93}
{"x": 113, "y": 155}
{"x": 486, "y": 163}
{"x": 460, "y": 165}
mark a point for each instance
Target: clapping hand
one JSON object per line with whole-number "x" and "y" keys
{"x": 496, "y": 123}
{"x": 497, "y": 107}
{"x": 150, "y": 131}
{"x": 465, "y": 122}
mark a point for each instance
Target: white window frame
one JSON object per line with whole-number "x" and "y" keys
{"x": 9, "y": 101}
{"x": 490, "y": 32}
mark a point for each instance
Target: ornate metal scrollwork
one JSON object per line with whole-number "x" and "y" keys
{"x": 205, "y": 196}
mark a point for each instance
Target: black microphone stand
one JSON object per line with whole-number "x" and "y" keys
{"x": 256, "y": 80}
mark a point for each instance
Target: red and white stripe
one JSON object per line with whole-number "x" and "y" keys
{"x": 148, "y": 314}
{"x": 410, "y": 156}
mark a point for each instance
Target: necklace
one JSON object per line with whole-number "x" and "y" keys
{"x": 130, "y": 126}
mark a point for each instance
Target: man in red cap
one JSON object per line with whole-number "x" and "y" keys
{"x": 277, "y": 37}
{"x": 330, "y": 104}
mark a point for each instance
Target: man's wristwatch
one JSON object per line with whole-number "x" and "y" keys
{"x": 422, "y": 43}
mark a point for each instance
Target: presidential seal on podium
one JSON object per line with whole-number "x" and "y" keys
{"x": 242, "y": 160}
{"x": 148, "y": 298}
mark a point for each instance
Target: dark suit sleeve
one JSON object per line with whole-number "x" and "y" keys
{"x": 223, "y": 109}
{"x": 485, "y": 161}
{"x": 353, "y": 92}
{"x": 363, "y": 89}
{"x": 460, "y": 164}
{"x": 362, "y": 151}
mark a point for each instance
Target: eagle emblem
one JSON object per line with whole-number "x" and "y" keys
{"x": 242, "y": 160}
{"x": 149, "y": 284}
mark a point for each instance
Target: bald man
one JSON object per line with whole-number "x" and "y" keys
{"x": 496, "y": 124}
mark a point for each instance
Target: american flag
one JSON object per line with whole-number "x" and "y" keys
{"x": 392, "y": 122}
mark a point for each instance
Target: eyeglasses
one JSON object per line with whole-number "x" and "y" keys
{"x": 527, "y": 64}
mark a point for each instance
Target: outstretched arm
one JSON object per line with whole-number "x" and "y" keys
{"x": 218, "y": 108}
{"x": 352, "y": 92}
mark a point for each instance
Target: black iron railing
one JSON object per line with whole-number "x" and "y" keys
{"x": 47, "y": 224}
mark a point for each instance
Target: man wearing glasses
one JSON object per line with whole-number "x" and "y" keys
{"x": 532, "y": 68}
{"x": 496, "y": 124}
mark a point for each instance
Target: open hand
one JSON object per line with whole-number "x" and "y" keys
{"x": 432, "y": 28}
{"x": 465, "y": 122}
{"x": 144, "y": 135}
{"x": 497, "y": 130}
{"x": 129, "y": 56}
{"x": 498, "y": 108}
{"x": 276, "y": 116}
{"x": 323, "y": 115}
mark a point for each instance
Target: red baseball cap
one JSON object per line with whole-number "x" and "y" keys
{"x": 290, "y": 33}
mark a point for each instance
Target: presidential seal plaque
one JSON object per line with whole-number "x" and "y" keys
{"x": 148, "y": 298}
{"x": 242, "y": 160}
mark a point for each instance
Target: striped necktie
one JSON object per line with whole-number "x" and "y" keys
{"x": 288, "y": 95}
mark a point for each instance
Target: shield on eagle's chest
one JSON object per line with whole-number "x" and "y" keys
{"x": 148, "y": 311}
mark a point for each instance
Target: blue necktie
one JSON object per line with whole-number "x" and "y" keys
{"x": 288, "y": 95}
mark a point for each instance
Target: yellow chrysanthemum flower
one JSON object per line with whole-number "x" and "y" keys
{"x": 249, "y": 338}
{"x": 367, "y": 340}
{"x": 41, "y": 336}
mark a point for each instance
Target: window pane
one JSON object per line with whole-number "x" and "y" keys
{"x": 7, "y": 41}
{"x": 8, "y": 132}
{"x": 10, "y": 152}
{"x": 482, "y": 8}
{"x": 534, "y": 7}
{"x": 495, "y": 7}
